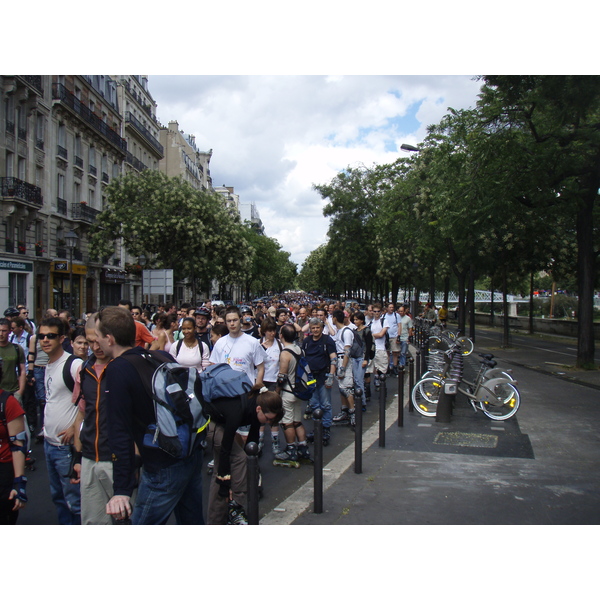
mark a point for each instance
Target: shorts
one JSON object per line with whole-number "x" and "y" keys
{"x": 379, "y": 362}
{"x": 394, "y": 345}
{"x": 346, "y": 383}
{"x": 293, "y": 408}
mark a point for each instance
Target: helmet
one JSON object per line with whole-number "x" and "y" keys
{"x": 11, "y": 311}
{"x": 202, "y": 312}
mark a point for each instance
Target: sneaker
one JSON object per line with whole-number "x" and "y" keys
{"x": 261, "y": 445}
{"x": 308, "y": 411}
{"x": 275, "y": 446}
{"x": 310, "y": 436}
{"x": 288, "y": 454}
{"x": 352, "y": 417}
{"x": 326, "y": 435}
{"x": 342, "y": 417}
{"x": 236, "y": 515}
{"x": 303, "y": 452}
{"x": 377, "y": 382}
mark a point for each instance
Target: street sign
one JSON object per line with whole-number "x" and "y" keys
{"x": 157, "y": 281}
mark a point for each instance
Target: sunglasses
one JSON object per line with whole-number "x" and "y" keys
{"x": 50, "y": 336}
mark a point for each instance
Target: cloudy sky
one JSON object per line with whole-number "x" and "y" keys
{"x": 273, "y": 137}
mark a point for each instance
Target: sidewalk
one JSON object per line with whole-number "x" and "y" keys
{"x": 539, "y": 467}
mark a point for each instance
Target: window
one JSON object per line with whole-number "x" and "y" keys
{"x": 77, "y": 145}
{"x": 22, "y": 168}
{"x": 60, "y": 192}
{"x": 9, "y": 164}
{"x": 91, "y": 195}
{"x": 77, "y": 93}
{"x": 76, "y": 193}
{"x": 62, "y": 135}
{"x": 92, "y": 160}
{"x": 92, "y": 106}
{"x": 40, "y": 125}
{"x": 17, "y": 288}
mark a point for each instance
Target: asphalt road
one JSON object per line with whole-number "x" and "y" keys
{"x": 547, "y": 356}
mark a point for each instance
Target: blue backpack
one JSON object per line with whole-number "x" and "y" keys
{"x": 305, "y": 384}
{"x": 221, "y": 381}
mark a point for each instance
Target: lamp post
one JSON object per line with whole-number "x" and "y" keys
{"x": 71, "y": 239}
{"x": 409, "y": 148}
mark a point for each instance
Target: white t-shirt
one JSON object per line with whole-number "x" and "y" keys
{"x": 343, "y": 337}
{"x": 391, "y": 322}
{"x": 60, "y": 410}
{"x": 190, "y": 357}
{"x": 376, "y": 327}
{"x": 243, "y": 353}
{"x": 272, "y": 362}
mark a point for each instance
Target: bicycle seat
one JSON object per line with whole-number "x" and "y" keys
{"x": 487, "y": 356}
{"x": 489, "y": 363}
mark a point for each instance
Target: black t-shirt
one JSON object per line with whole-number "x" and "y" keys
{"x": 318, "y": 355}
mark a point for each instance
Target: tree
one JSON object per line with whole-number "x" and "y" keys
{"x": 555, "y": 121}
{"x": 174, "y": 225}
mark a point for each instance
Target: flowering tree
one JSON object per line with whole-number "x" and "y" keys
{"x": 175, "y": 226}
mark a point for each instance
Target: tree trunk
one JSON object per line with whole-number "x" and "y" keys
{"x": 585, "y": 276}
{"x": 492, "y": 301}
{"x": 471, "y": 302}
{"x": 505, "y": 330}
{"x": 531, "y": 303}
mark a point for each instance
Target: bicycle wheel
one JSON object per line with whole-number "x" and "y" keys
{"x": 466, "y": 344}
{"x": 492, "y": 373}
{"x": 435, "y": 343}
{"x": 425, "y": 395}
{"x": 511, "y": 402}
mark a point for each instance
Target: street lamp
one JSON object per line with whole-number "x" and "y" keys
{"x": 71, "y": 239}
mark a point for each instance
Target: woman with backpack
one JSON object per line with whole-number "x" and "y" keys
{"x": 189, "y": 351}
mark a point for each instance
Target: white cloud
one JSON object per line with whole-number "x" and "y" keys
{"x": 273, "y": 137}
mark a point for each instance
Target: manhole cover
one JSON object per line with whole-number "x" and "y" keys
{"x": 473, "y": 440}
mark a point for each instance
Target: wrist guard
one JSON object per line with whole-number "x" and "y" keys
{"x": 20, "y": 486}
{"x": 18, "y": 447}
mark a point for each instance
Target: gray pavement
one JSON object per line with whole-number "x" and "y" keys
{"x": 538, "y": 468}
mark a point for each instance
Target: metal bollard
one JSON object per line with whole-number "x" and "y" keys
{"x": 411, "y": 380}
{"x": 382, "y": 395}
{"x": 252, "y": 480}
{"x": 443, "y": 410}
{"x": 358, "y": 419}
{"x": 401, "y": 396}
{"x": 418, "y": 363}
{"x": 318, "y": 465}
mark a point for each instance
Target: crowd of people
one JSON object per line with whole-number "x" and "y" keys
{"x": 81, "y": 388}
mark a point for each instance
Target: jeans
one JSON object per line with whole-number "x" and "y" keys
{"x": 359, "y": 376}
{"x": 177, "y": 489}
{"x": 40, "y": 392}
{"x": 403, "y": 353}
{"x": 65, "y": 494}
{"x": 322, "y": 399}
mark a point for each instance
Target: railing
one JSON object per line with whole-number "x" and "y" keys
{"x": 60, "y": 92}
{"x": 21, "y": 190}
{"x": 61, "y": 206}
{"x": 83, "y": 212}
{"x": 129, "y": 118}
{"x": 35, "y": 81}
{"x": 93, "y": 171}
{"x": 137, "y": 164}
{"x": 10, "y": 127}
{"x": 62, "y": 152}
{"x": 105, "y": 178}
{"x": 79, "y": 162}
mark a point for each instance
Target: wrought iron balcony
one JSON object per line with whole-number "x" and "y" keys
{"x": 62, "y": 152}
{"x": 79, "y": 162}
{"x": 137, "y": 164}
{"x": 129, "y": 118}
{"x": 61, "y": 93}
{"x": 83, "y": 212}
{"x": 61, "y": 206}
{"x": 16, "y": 189}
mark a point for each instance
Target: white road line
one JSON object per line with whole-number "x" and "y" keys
{"x": 293, "y": 506}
